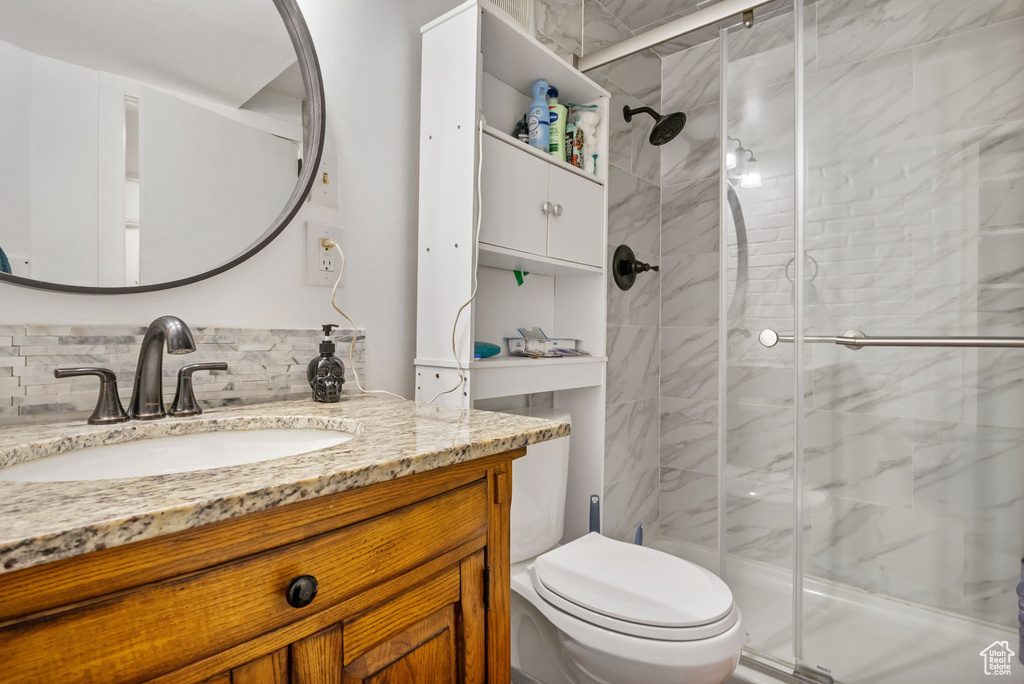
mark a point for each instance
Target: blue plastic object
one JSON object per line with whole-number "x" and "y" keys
{"x": 539, "y": 120}
{"x": 485, "y": 349}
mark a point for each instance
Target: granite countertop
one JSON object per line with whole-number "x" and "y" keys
{"x": 47, "y": 521}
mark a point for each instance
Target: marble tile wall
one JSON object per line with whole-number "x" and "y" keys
{"x": 263, "y": 365}
{"x": 632, "y": 419}
{"x": 915, "y": 141}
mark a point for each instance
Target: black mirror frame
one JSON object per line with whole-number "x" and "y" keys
{"x": 313, "y": 147}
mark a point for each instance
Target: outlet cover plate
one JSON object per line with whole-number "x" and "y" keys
{"x": 325, "y": 183}
{"x": 315, "y": 231}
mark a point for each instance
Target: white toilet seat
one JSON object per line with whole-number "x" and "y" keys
{"x": 633, "y": 590}
{"x": 633, "y": 628}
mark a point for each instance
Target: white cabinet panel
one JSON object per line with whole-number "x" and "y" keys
{"x": 575, "y": 235}
{"x": 514, "y": 187}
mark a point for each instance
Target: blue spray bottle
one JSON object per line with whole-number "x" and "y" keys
{"x": 539, "y": 121}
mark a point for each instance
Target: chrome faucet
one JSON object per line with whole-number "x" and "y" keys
{"x": 148, "y": 391}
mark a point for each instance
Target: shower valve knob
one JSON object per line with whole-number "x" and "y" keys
{"x": 625, "y": 267}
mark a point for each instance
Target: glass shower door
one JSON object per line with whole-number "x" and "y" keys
{"x": 912, "y": 225}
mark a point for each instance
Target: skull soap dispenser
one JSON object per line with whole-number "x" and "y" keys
{"x": 326, "y": 373}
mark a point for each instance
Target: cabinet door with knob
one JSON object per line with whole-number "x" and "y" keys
{"x": 532, "y": 205}
{"x": 574, "y": 227}
{"x": 397, "y": 594}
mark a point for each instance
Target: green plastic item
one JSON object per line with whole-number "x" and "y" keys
{"x": 520, "y": 276}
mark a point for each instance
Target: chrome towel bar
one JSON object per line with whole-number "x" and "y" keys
{"x": 855, "y": 339}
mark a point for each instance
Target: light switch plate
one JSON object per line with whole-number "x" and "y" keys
{"x": 322, "y": 264}
{"x": 325, "y": 183}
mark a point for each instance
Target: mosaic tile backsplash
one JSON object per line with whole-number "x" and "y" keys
{"x": 263, "y": 365}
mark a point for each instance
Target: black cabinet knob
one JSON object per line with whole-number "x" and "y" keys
{"x": 301, "y": 591}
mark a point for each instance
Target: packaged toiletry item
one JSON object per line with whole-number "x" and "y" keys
{"x": 539, "y": 119}
{"x": 573, "y": 139}
{"x": 557, "y": 147}
{"x": 326, "y": 373}
{"x": 522, "y": 131}
{"x": 587, "y": 119}
{"x": 535, "y": 343}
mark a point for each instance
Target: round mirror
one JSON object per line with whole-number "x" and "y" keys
{"x": 148, "y": 144}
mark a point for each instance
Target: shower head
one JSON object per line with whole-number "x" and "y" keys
{"x": 665, "y": 127}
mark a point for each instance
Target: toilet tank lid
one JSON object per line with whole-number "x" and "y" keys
{"x": 633, "y": 583}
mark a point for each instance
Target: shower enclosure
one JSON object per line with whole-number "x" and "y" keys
{"x": 865, "y": 503}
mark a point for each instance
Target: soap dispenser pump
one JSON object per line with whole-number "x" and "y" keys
{"x": 326, "y": 373}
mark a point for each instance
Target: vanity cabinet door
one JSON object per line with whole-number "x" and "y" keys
{"x": 431, "y": 634}
{"x": 270, "y": 669}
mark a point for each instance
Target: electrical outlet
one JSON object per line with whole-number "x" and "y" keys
{"x": 325, "y": 183}
{"x": 322, "y": 262}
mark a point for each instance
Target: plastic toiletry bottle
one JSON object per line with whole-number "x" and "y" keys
{"x": 557, "y": 146}
{"x": 539, "y": 120}
{"x": 326, "y": 373}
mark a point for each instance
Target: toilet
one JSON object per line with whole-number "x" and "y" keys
{"x": 600, "y": 611}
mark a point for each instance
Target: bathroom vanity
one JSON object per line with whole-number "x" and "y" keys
{"x": 381, "y": 559}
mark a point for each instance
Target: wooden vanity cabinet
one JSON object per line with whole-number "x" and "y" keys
{"x": 412, "y": 587}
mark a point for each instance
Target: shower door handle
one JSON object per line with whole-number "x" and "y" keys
{"x": 855, "y": 339}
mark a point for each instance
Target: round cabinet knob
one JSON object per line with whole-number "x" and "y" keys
{"x": 546, "y": 207}
{"x": 558, "y": 210}
{"x": 301, "y": 591}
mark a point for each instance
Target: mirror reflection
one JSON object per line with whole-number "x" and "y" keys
{"x": 142, "y": 141}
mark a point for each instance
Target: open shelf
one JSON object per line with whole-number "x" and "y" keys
{"x": 514, "y": 57}
{"x": 529, "y": 149}
{"x": 514, "y": 260}
{"x": 507, "y": 376}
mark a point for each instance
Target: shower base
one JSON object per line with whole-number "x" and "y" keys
{"x": 862, "y": 638}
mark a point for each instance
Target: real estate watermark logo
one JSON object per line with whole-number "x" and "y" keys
{"x": 998, "y": 658}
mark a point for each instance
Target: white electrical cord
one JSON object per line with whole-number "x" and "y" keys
{"x": 476, "y": 259}
{"x": 355, "y": 330}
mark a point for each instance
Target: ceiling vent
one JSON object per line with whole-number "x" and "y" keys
{"x": 519, "y": 10}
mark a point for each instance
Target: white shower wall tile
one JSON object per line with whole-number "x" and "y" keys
{"x": 689, "y": 218}
{"x": 689, "y": 506}
{"x": 632, "y": 363}
{"x": 600, "y": 28}
{"x": 759, "y": 444}
{"x": 992, "y": 552}
{"x": 629, "y": 502}
{"x": 634, "y": 212}
{"x": 854, "y": 30}
{"x": 638, "y": 14}
{"x": 850, "y": 105}
{"x": 689, "y": 435}
{"x": 861, "y": 458}
{"x": 907, "y": 554}
{"x": 690, "y": 78}
{"x": 689, "y": 363}
{"x": 562, "y": 22}
{"x": 971, "y": 79}
{"x": 689, "y": 290}
{"x": 639, "y": 75}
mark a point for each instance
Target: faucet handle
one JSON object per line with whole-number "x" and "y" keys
{"x": 108, "y": 406}
{"x": 185, "y": 403}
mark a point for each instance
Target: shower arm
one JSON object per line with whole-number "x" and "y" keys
{"x": 855, "y": 339}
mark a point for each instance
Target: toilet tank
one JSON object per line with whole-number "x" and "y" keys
{"x": 539, "y": 480}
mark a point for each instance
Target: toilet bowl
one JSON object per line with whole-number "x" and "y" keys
{"x": 600, "y": 611}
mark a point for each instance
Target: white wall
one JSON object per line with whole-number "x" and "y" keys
{"x": 369, "y": 54}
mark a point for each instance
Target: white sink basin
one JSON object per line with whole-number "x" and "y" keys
{"x": 178, "y": 454}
